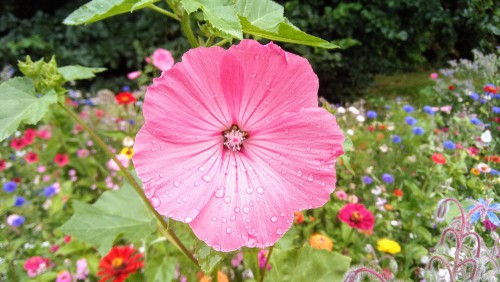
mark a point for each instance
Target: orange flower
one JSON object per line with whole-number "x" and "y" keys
{"x": 320, "y": 242}
{"x": 382, "y": 127}
{"x": 436, "y": 130}
{"x": 388, "y": 207}
{"x": 398, "y": 192}
{"x": 438, "y": 158}
{"x": 312, "y": 218}
{"x": 299, "y": 217}
{"x": 380, "y": 136}
{"x": 474, "y": 171}
{"x": 221, "y": 277}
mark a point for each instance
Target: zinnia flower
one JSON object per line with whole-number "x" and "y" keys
{"x": 31, "y": 157}
{"x": 438, "y": 158}
{"x": 18, "y": 143}
{"x": 234, "y": 143}
{"x": 61, "y": 159}
{"x": 357, "y": 216}
{"x": 388, "y": 246}
{"x": 35, "y": 266}
{"x": 124, "y": 98}
{"x": 119, "y": 263}
{"x": 320, "y": 242}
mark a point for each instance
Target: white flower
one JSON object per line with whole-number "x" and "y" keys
{"x": 369, "y": 170}
{"x": 412, "y": 159}
{"x": 350, "y": 132}
{"x": 384, "y": 148}
{"x": 486, "y": 136}
{"x": 360, "y": 118}
{"x": 341, "y": 110}
{"x": 353, "y": 110}
{"x": 128, "y": 141}
{"x": 484, "y": 168}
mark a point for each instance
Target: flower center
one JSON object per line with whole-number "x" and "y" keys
{"x": 234, "y": 137}
{"x": 117, "y": 263}
{"x": 356, "y": 217}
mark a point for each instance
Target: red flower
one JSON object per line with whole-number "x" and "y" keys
{"x": 398, "y": 192}
{"x": 31, "y": 157}
{"x": 119, "y": 263}
{"x": 61, "y": 159}
{"x": 299, "y": 217}
{"x": 3, "y": 165}
{"x": 438, "y": 158}
{"x": 124, "y": 98}
{"x": 29, "y": 136}
{"x": 99, "y": 113}
{"x": 357, "y": 216}
{"x": 18, "y": 143}
{"x": 371, "y": 128}
{"x": 451, "y": 87}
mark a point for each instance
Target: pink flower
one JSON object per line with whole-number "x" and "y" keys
{"x": 434, "y": 75}
{"x": 341, "y": 195}
{"x": 124, "y": 160}
{"x": 61, "y": 159}
{"x": 237, "y": 259}
{"x": 357, "y": 216}
{"x": 63, "y": 276}
{"x": 44, "y": 134}
{"x": 473, "y": 151}
{"x": 81, "y": 269}
{"x": 234, "y": 143}
{"x": 35, "y": 266}
{"x": 446, "y": 109}
{"x": 134, "y": 75}
{"x": 262, "y": 257}
{"x": 29, "y": 135}
{"x": 162, "y": 59}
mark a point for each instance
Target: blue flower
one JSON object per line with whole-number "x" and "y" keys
{"x": 367, "y": 179}
{"x": 19, "y": 201}
{"x": 411, "y": 120}
{"x": 475, "y": 121}
{"x": 485, "y": 209}
{"x": 474, "y": 96}
{"x": 482, "y": 101}
{"x": 396, "y": 139}
{"x": 448, "y": 144}
{"x": 371, "y": 114}
{"x": 15, "y": 220}
{"x": 10, "y": 186}
{"x": 494, "y": 172}
{"x": 408, "y": 109}
{"x": 429, "y": 110}
{"x": 132, "y": 122}
{"x": 49, "y": 191}
{"x": 387, "y": 178}
{"x": 496, "y": 110}
{"x": 417, "y": 130}
{"x": 126, "y": 88}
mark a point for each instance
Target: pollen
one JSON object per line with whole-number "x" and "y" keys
{"x": 234, "y": 138}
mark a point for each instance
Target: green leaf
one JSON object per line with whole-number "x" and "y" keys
{"x": 116, "y": 213}
{"x": 307, "y": 264}
{"x": 286, "y": 33}
{"x": 220, "y": 14}
{"x": 97, "y": 10}
{"x": 21, "y": 105}
{"x": 264, "y": 14}
{"x": 208, "y": 258}
{"x": 72, "y": 73}
{"x": 73, "y": 247}
{"x": 160, "y": 269}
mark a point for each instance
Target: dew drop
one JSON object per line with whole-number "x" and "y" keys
{"x": 310, "y": 178}
{"x": 227, "y": 200}
{"x": 161, "y": 175}
{"x": 228, "y": 230}
{"x": 246, "y": 209}
{"x": 176, "y": 183}
{"x": 217, "y": 247}
{"x": 236, "y": 210}
{"x": 251, "y": 204}
{"x": 224, "y": 219}
{"x": 282, "y": 214}
{"x": 279, "y": 231}
{"x": 299, "y": 173}
{"x": 188, "y": 219}
{"x": 260, "y": 190}
{"x": 155, "y": 202}
{"x": 219, "y": 193}
{"x": 206, "y": 178}
{"x": 323, "y": 184}
{"x": 274, "y": 219}
{"x": 251, "y": 242}
{"x": 214, "y": 218}
{"x": 249, "y": 190}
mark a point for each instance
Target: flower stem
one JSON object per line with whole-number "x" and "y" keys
{"x": 222, "y": 42}
{"x": 168, "y": 233}
{"x": 165, "y": 12}
{"x": 186, "y": 26}
{"x": 268, "y": 258}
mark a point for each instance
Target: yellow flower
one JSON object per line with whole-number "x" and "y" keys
{"x": 320, "y": 242}
{"x": 129, "y": 152}
{"x": 388, "y": 246}
{"x": 475, "y": 171}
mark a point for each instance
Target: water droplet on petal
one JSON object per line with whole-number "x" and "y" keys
{"x": 176, "y": 183}
{"x": 249, "y": 190}
{"x": 228, "y": 230}
{"x": 274, "y": 219}
{"x": 236, "y": 210}
{"x": 188, "y": 219}
{"x": 279, "y": 231}
{"x": 251, "y": 243}
{"x": 224, "y": 219}
{"x": 260, "y": 190}
{"x": 299, "y": 173}
{"x": 206, "y": 178}
{"x": 282, "y": 214}
{"x": 217, "y": 247}
{"x": 161, "y": 175}
{"x": 227, "y": 200}
{"x": 310, "y": 178}
{"x": 246, "y": 209}
{"x": 214, "y": 218}
{"x": 155, "y": 202}
{"x": 219, "y": 193}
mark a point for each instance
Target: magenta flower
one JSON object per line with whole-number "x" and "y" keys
{"x": 162, "y": 59}
{"x": 234, "y": 143}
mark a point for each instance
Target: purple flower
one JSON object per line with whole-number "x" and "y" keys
{"x": 371, "y": 114}
{"x": 50, "y": 191}
{"x": 10, "y": 186}
{"x": 417, "y": 130}
{"x": 429, "y": 110}
{"x": 411, "y": 120}
{"x": 387, "y": 178}
{"x": 474, "y": 96}
{"x": 367, "y": 179}
{"x": 475, "y": 121}
{"x": 449, "y": 145}
{"x": 15, "y": 220}
{"x": 19, "y": 201}
{"x": 396, "y": 139}
{"x": 408, "y": 109}
{"x": 485, "y": 209}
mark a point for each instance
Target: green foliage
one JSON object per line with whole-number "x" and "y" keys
{"x": 208, "y": 258}
{"x": 97, "y": 10}
{"x": 116, "y": 213}
{"x": 72, "y": 73}
{"x": 307, "y": 264}
{"x": 20, "y": 104}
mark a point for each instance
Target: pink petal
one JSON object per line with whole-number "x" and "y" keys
{"x": 263, "y": 80}
{"x": 286, "y": 167}
{"x": 162, "y": 59}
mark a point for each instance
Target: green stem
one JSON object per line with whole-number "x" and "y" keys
{"x": 186, "y": 26}
{"x": 268, "y": 258}
{"x": 222, "y": 42}
{"x": 171, "y": 235}
{"x": 210, "y": 40}
{"x": 165, "y": 12}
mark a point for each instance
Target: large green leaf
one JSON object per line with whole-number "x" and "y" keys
{"x": 307, "y": 264}
{"x": 264, "y": 14}
{"x": 76, "y": 72}
{"x": 286, "y": 33}
{"x": 20, "y": 104}
{"x": 116, "y": 213}
{"x": 208, "y": 258}
{"x": 220, "y": 14}
{"x": 97, "y": 10}
{"x": 160, "y": 269}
